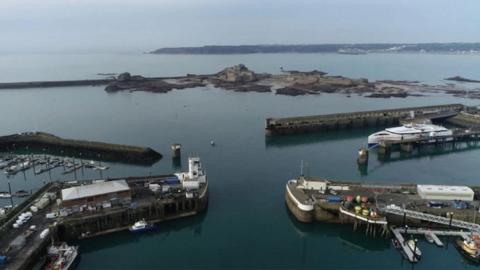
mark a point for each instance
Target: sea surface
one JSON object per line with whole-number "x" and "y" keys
{"x": 247, "y": 225}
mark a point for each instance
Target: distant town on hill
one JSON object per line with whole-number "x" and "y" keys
{"x": 458, "y": 48}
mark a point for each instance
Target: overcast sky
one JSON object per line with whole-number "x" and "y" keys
{"x": 144, "y": 25}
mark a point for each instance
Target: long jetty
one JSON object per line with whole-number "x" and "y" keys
{"x": 339, "y": 121}
{"x": 40, "y": 141}
{"x": 68, "y": 83}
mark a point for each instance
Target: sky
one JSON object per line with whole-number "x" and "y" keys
{"x": 145, "y": 25}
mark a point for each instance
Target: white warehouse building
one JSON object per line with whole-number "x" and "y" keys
{"x": 445, "y": 193}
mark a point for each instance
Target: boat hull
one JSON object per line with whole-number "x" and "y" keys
{"x": 146, "y": 229}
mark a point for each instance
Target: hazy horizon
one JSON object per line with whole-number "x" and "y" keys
{"x": 83, "y": 26}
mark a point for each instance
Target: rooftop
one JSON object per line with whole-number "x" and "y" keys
{"x": 94, "y": 189}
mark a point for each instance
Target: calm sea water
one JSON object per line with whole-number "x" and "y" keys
{"x": 247, "y": 224}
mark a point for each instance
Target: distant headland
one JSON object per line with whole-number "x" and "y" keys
{"x": 362, "y": 48}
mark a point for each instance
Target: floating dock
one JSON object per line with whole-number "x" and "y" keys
{"x": 339, "y": 121}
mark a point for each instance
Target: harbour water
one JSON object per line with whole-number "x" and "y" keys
{"x": 247, "y": 224}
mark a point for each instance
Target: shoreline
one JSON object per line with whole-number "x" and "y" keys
{"x": 239, "y": 78}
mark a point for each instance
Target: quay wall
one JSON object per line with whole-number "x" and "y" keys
{"x": 339, "y": 121}
{"x": 83, "y": 225}
{"x": 40, "y": 141}
{"x": 465, "y": 120}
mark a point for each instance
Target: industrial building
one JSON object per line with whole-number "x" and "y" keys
{"x": 445, "y": 193}
{"x": 96, "y": 193}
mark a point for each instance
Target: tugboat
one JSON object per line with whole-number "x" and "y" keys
{"x": 141, "y": 226}
{"x": 61, "y": 257}
{"x": 469, "y": 249}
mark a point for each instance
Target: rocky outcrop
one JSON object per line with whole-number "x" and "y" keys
{"x": 125, "y": 81}
{"x": 236, "y": 74}
{"x": 461, "y": 79}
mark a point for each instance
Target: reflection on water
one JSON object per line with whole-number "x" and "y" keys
{"x": 357, "y": 240}
{"x": 190, "y": 225}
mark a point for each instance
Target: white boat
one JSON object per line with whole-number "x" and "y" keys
{"x": 141, "y": 226}
{"x": 61, "y": 257}
{"x": 414, "y": 247}
{"x": 408, "y": 132}
{"x": 5, "y": 195}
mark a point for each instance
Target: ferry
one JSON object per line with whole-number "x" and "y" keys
{"x": 61, "y": 257}
{"x": 141, "y": 226}
{"x": 408, "y": 132}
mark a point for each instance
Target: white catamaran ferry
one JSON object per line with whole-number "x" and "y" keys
{"x": 408, "y": 132}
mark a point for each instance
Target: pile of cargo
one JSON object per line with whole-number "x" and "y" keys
{"x": 361, "y": 205}
{"x": 43, "y": 201}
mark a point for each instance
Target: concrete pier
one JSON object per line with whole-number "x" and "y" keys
{"x": 339, "y": 121}
{"x": 75, "y": 221}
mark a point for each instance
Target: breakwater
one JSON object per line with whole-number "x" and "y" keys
{"x": 44, "y": 142}
{"x": 45, "y": 84}
{"x": 340, "y": 121}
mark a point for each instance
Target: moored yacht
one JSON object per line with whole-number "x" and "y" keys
{"x": 408, "y": 132}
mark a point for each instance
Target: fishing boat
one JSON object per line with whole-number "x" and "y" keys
{"x": 61, "y": 257}
{"x": 408, "y": 132}
{"x": 141, "y": 226}
{"x": 469, "y": 249}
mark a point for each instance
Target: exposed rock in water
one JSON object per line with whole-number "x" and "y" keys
{"x": 292, "y": 91}
{"x": 125, "y": 81}
{"x": 123, "y": 77}
{"x": 236, "y": 74}
{"x": 461, "y": 79}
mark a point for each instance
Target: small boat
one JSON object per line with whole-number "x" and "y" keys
{"x": 62, "y": 257}
{"x": 414, "y": 247}
{"x": 21, "y": 193}
{"x": 5, "y": 195}
{"x": 429, "y": 238}
{"x": 212, "y": 143}
{"x": 468, "y": 248}
{"x": 141, "y": 226}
